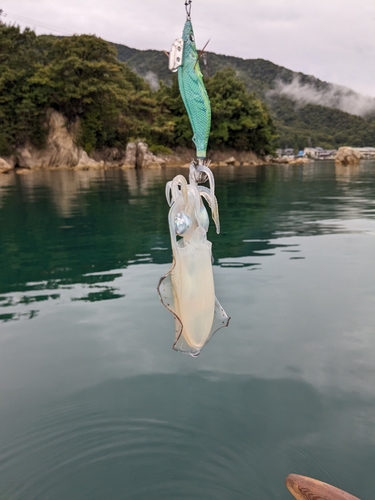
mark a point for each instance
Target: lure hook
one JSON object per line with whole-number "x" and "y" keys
{"x": 188, "y": 8}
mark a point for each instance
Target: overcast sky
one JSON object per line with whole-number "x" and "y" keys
{"x": 333, "y": 40}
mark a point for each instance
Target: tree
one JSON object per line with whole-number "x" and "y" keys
{"x": 239, "y": 119}
{"x": 22, "y": 102}
{"x": 81, "y": 77}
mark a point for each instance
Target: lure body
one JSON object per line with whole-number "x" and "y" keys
{"x": 193, "y": 91}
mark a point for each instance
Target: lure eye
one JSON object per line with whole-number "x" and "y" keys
{"x": 182, "y": 222}
{"x": 192, "y": 37}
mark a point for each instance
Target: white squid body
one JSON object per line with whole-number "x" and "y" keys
{"x": 188, "y": 289}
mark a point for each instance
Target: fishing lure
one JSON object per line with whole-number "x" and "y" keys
{"x": 188, "y": 290}
{"x": 184, "y": 58}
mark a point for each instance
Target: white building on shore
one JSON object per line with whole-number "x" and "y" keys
{"x": 367, "y": 153}
{"x": 319, "y": 153}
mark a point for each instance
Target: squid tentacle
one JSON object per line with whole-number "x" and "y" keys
{"x": 212, "y": 203}
{"x": 179, "y": 186}
{"x": 168, "y": 193}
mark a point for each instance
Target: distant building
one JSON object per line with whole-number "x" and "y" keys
{"x": 319, "y": 153}
{"x": 311, "y": 153}
{"x": 285, "y": 152}
{"x": 366, "y": 153}
{"x": 327, "y": 154}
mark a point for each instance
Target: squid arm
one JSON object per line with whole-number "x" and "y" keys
{"x": 212, "y": 203}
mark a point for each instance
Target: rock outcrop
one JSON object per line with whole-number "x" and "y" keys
{"x": 233, "y": 158}
{"x": 5, "y": 166}
{"x": 136, "y": 155}
{"x": 60, "y": 150}
{"x": 299, "y": 161}
{"x": 130, "y": 160}
{"x": 347, "y": 156}
{"x": 145, "y": 159}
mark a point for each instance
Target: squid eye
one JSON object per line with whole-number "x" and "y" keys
{"x": 182, "y": 222}
{"x": 192, "y": 37}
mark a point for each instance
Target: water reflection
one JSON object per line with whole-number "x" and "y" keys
{"x": 152, "y": 436}
{"x": 347, "y": 173}
{"x": 94, "y": 403}
{"x": 59, "y": 226}
{"x": 82, "y": 291}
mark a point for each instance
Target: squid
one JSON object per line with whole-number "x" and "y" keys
{"x": 188, "y": 289}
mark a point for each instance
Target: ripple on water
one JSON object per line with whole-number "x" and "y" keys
{"x": 74, "y": 440}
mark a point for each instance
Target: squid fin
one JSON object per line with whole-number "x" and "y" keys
{"x": 221, "y": 319}
{"x": 165, "y": 289}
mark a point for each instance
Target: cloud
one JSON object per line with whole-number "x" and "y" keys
{"x": 152, "y": 79}
{"x": 333, "y": 96}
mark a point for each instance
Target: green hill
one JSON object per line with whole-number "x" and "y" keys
{"x": 85, "y": 79}
{"x": 107, "y": 104}
{"x": 298, "y": 123}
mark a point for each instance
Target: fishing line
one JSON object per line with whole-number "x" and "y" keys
{"x": 39, "y": 24}
{"x": 188, "y": 8}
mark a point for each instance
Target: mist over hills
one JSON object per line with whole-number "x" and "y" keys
{"x": 306, "y": 110}
{"x": 331, "y": 96}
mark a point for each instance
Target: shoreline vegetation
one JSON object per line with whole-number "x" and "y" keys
{"x": 70, "y": 103}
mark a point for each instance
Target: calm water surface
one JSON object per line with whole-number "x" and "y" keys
{"x": 94, "y": 404}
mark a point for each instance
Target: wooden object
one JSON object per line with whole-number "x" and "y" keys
{"x": 306, "y": 488}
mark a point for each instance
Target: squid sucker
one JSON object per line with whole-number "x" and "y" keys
{"x": 188, "y": 289}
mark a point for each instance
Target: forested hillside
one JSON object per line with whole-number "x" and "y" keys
{"x": 114, "y": 94}
{"x": 108, "y": 103}
{"x": 298, "y": 124}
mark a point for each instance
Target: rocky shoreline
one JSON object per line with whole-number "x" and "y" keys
{"x": 62, "y": 152}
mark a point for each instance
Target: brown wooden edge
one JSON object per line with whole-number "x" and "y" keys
{"x": 306, "y": 488}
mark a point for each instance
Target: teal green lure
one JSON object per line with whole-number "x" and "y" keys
{"x": 193, "y": 92}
